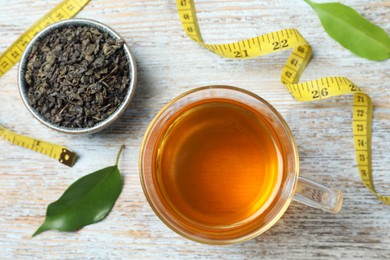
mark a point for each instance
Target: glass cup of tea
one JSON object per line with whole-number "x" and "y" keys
{"x": 219, "y": 165}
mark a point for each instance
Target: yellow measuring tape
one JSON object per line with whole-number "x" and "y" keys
{"x": 55, "y": 151}
{"x": 66, "y": 9}
{"x": 292, "y": 70}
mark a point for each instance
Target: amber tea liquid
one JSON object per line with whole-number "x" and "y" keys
{"x": 218, "y": 163}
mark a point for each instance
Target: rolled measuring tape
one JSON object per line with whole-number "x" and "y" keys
{"x": 304, "y": 91}
{"x": 66, "y": 9}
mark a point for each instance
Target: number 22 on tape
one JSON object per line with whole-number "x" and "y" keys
{"x": 302, "y": 91}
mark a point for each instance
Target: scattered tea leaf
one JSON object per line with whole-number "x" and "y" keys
{"x": 352, "y": 31}
{"x": 86, "y": 201}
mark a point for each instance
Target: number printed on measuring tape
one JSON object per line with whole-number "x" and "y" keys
{"x": 302, "y": 91}
{"x": 66, "y": 9}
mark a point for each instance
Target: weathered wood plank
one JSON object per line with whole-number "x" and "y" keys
{"x": 170, "y": 63}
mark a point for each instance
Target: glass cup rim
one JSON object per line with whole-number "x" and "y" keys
{"x": 291, "y": 186}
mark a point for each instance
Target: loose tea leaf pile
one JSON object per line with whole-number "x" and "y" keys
{"x": 77, "y": 76}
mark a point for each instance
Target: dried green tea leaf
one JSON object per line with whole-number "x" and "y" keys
{"x": 77, "y": 76}
{"x": 352, "y": 31}
{"x": 86, "y": 201}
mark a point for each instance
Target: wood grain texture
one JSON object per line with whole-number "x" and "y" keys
{"x": 169, "y": 63}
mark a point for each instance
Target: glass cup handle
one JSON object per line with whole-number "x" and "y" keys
{"x": 318, "y": 196}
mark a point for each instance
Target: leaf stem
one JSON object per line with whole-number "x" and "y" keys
{"x": 119, "y": 154}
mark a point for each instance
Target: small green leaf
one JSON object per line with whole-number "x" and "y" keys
{"x": 352, "y": 31}
{"x": 86, "y": 201}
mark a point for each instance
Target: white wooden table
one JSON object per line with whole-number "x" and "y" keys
{"x": 169, "y": 63}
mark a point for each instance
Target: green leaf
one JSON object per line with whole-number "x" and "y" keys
{"x": 86, "y": 201}
{"x": 352, "y": 31}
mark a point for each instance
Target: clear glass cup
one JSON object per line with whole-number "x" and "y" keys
{"x": 292, "y": 186}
